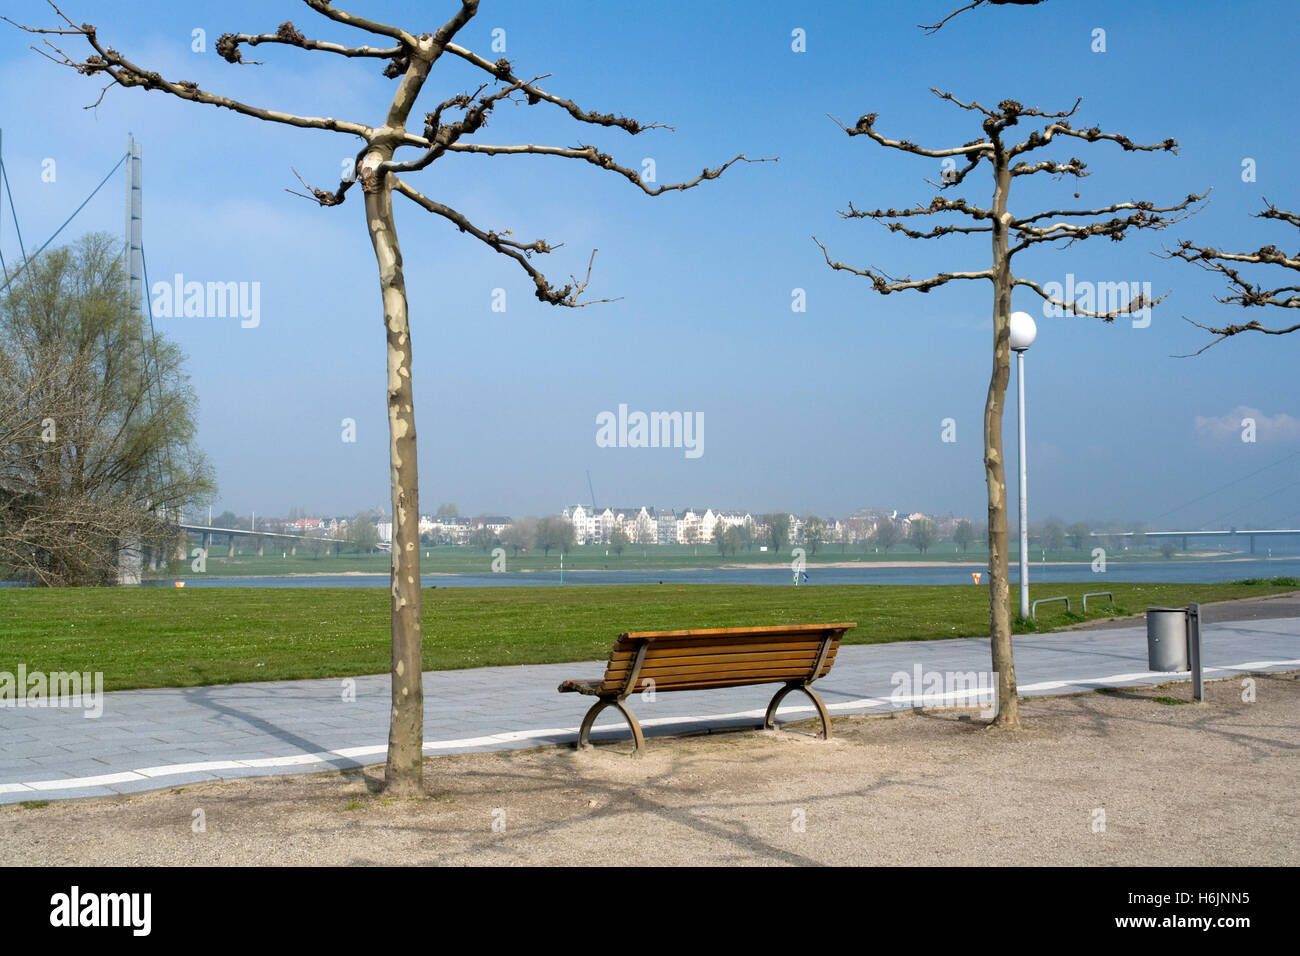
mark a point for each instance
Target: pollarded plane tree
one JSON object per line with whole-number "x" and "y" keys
{"x": 1006, "y": 161}
{"x": 1244, "y": 293}
{"x": 449, "y": 128}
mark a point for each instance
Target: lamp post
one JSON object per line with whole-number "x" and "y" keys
{"x": 1023, "y": 333}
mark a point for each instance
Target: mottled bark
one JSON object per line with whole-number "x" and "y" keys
{"x": 995, "y": 471}
{"x": 403, "y": 772}
{"x": 406, "y": 729}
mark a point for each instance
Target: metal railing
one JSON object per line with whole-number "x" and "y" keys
{"x": 1097, "y": 594}
{"x": 1033, "y": 608}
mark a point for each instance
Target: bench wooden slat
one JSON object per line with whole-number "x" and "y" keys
{"x": 738, "y": 659}
{"x": 705, "y": 633}
{"x": 711, "y": 684}
{"x": 730, "y": 647}
{"x": 797, "y": 669}
{"x": 668, "y": 678}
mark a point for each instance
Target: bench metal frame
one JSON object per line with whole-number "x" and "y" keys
{"x": 619, "y": 700}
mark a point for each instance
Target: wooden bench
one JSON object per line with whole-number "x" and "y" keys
{"x": 791, "y": 654}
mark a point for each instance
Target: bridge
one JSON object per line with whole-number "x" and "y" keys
{"x": 261, "y": 537}
{"x": 1183, "y": 536}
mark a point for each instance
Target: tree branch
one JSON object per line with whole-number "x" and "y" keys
{"x": 326, "y": 9}
{"x": 934, "y": 28}
{"x": 1075, "y": 167}
{"x": 520, "y": 252}
{"x": 443, "y": 136}
{"x": 937, "y": 205}
{"x": 1147, "y": 216}
{"x": 866, "y": 127}
{"x": 591, "y": 155}
{"x": 1093, "y": 134}
{"x": 127, "y": 74}
{"x": 228, "y": 45}
{"x": 1228, "y": 331}
{"x": 1137, "y": 304}
{"x": 501, "y": 69}
{"x": 1247, "y": 294}
{"x": 885, "y": 284}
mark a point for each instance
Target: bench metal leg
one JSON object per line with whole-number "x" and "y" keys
{"x": 769, "y": 721}
{"x": 584, "y": 732}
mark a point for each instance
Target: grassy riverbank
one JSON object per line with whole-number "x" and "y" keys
{"x": 181, "y": 637}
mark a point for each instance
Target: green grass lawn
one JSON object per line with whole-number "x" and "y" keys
{"x": 176, "y": 637}
{"x": 470, "y": 560}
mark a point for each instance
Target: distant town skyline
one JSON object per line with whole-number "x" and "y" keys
{"x": 306, "y": 517}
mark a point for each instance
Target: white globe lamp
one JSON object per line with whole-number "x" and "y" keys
{"x": 1023, "y": 331}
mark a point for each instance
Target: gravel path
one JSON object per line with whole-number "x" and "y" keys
{"x": 1111, "y": 777}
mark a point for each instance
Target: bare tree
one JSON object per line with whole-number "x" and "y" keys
{"x": 1051, "y": 534}
{"x": 778, "y": 529}
{"x": 554, "y": 531}
{"x": 963, "y": 534}
{"x": 814, "y": 533}
{"x": 448, "y": 128}
{"x": 934, "y": 27}
{"x": 885, "y": 534}
{"x": 1247, "y": 294}
{"x": 520, "y": 534}
{"x": 96, "y": 423}
{"x": 315, "y": 544}
{"x": 1011, "y": 235}
{"x": 921, "y": 534}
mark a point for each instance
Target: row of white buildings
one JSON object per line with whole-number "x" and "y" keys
{"x": 642, "y": 525}
{"x": 652, "y": 525}
{"x": 452, "y": 529}
{"x": 700, "y": 525}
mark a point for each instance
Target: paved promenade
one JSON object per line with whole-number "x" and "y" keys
{"x": 151, "y": 739}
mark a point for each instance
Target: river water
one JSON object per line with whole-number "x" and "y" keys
{"x": 1179, "y": 572}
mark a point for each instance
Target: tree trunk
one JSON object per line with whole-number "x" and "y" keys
{"x": 995, "y": 474}
{"x": 403, "y": 773}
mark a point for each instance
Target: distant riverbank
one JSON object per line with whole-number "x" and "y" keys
{"x": 917, "y": 573}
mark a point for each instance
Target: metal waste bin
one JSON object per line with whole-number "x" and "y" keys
{"x": 1167, "y": 639}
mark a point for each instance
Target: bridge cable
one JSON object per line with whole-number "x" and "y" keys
{"x": 1225, "y": 487}
{"x": 3, "y": 266}
{"x": 1254, "y": 502}
{"x": 26, "y": 260}
{"x": 153, "y": 337}
{"x": 4, "y": 174}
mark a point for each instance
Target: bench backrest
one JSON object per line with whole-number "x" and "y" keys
{"x": 721, "y": 657}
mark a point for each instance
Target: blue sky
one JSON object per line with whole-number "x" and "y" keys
{"x": 822, "y": 411}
